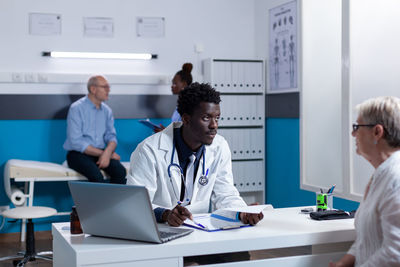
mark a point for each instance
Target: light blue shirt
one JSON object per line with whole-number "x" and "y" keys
{"x": 176, "y": 116}
{"x": 87, "y": 125}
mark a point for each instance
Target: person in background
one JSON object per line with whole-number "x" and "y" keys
{"x": 377, "y": 220}
{"x": 181, "y": 79}
{"x": 91, "y": 136}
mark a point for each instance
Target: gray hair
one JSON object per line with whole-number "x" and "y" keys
{"x": 92, "y": 81}
{"x": 384, "y": 110}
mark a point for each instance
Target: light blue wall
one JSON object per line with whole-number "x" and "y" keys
{"x": 42, "y": 140}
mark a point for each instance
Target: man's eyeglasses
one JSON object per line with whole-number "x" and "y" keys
{"x": 356, "y": 126}
{"x": 103, "y": 86}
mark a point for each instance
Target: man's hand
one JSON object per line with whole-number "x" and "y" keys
{"x": 104, "y": 160}
{"x": 251, "y": 218}
{"x": 115, "y": 156}
{"x": 176, "y": 216}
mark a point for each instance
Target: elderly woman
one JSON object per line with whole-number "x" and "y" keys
{"x": 377, "y": 220}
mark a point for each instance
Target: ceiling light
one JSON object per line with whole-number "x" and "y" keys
{"x": 144, "y": 56}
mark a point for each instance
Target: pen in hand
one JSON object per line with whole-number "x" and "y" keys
{"x": 198, "y": 224}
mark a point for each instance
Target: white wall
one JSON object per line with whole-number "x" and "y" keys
{"x": 226, "y": 29}
{"x": 262, "y": 8}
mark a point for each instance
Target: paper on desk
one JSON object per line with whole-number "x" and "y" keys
{"x": 231, "y": 213}
{"x": 208, "y": 223}
{"x": 223, "y": 219}
{"x": 251, "y": 209}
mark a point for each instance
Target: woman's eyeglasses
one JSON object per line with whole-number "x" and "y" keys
{"x": 356, "y": 126}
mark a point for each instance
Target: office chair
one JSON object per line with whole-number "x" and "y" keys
{"x": 29, "y": 213}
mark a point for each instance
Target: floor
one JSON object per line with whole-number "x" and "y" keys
{"x": 11, "y": 246}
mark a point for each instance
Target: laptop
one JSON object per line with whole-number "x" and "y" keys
{"x": 119, "y": 211}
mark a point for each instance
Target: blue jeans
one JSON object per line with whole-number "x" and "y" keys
{"x": 86, "y": 165}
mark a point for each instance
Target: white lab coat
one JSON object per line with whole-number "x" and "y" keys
{"x": 149, "y": 163}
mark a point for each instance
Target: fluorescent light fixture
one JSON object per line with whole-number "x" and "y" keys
{"x": 143, "y": 56}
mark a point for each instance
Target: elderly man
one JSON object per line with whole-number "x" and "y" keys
{"x": 91, "y": 136}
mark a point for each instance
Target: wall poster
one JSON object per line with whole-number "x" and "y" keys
{"x": 283, "y": 74}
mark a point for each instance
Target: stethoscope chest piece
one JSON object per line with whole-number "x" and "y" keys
{"x": 203, "y": 180}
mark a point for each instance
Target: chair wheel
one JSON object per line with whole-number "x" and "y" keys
{"x": 23, "y": 261}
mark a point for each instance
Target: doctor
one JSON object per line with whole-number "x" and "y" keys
{"x": 188, "y": 164}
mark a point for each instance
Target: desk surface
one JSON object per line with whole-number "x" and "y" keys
{"x": 280, "y": 228}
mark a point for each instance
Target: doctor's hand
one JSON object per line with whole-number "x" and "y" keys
{"x": 176, "y": 216}
{"x": 251, "y": 218}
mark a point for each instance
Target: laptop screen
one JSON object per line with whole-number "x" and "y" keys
{"x": 113, "y": 210}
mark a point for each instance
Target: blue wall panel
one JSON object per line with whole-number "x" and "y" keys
{"x": 42, "y": 140}
{"x": 283, "y": 167}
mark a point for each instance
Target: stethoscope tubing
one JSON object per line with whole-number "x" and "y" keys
{"x": 203, "y": 178}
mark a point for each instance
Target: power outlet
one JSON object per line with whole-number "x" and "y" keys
{"x": 3, "y": 208}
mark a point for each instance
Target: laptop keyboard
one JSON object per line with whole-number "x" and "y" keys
{"x": 167, "y": 236}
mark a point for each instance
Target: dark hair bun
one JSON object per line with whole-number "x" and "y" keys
{"x": 187, "y": 67}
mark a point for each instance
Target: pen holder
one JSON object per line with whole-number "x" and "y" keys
{"x": 324, "y": 201}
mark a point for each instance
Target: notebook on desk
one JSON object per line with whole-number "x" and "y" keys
{"x": 119, "y": 211}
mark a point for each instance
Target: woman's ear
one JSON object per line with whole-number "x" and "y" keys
{"x": 379, "y": 131}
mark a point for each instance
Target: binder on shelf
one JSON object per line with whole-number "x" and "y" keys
{"x": 235, "y": 77}
{"x": 228, "y": 76}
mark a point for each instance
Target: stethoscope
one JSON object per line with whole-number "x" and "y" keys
{"x": 203, "y": 180}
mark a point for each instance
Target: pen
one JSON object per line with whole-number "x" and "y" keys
{"x": 331, "y": 189}
{"x": 230, "y": 227}
{"x": 198, "y": 224}
{"x": 207, "y": 172}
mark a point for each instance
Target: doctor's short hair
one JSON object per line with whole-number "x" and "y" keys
{"x": 189, "y": 98}
{"x": 384, "y": 110}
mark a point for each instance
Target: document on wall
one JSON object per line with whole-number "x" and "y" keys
{"x": 150, "y": 27}
{"x": 283, "y": 48}
{"x": 98, "y": 27}
{"x": 44, "y": 24}
{"x": 223, "y": 219}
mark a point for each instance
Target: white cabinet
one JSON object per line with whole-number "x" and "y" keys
{"x": 242, "y": 122}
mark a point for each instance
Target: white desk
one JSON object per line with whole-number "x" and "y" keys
{"x": 280, "y": 228}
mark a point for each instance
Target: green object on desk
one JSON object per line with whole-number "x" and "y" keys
{"x": 322, "y": 203}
